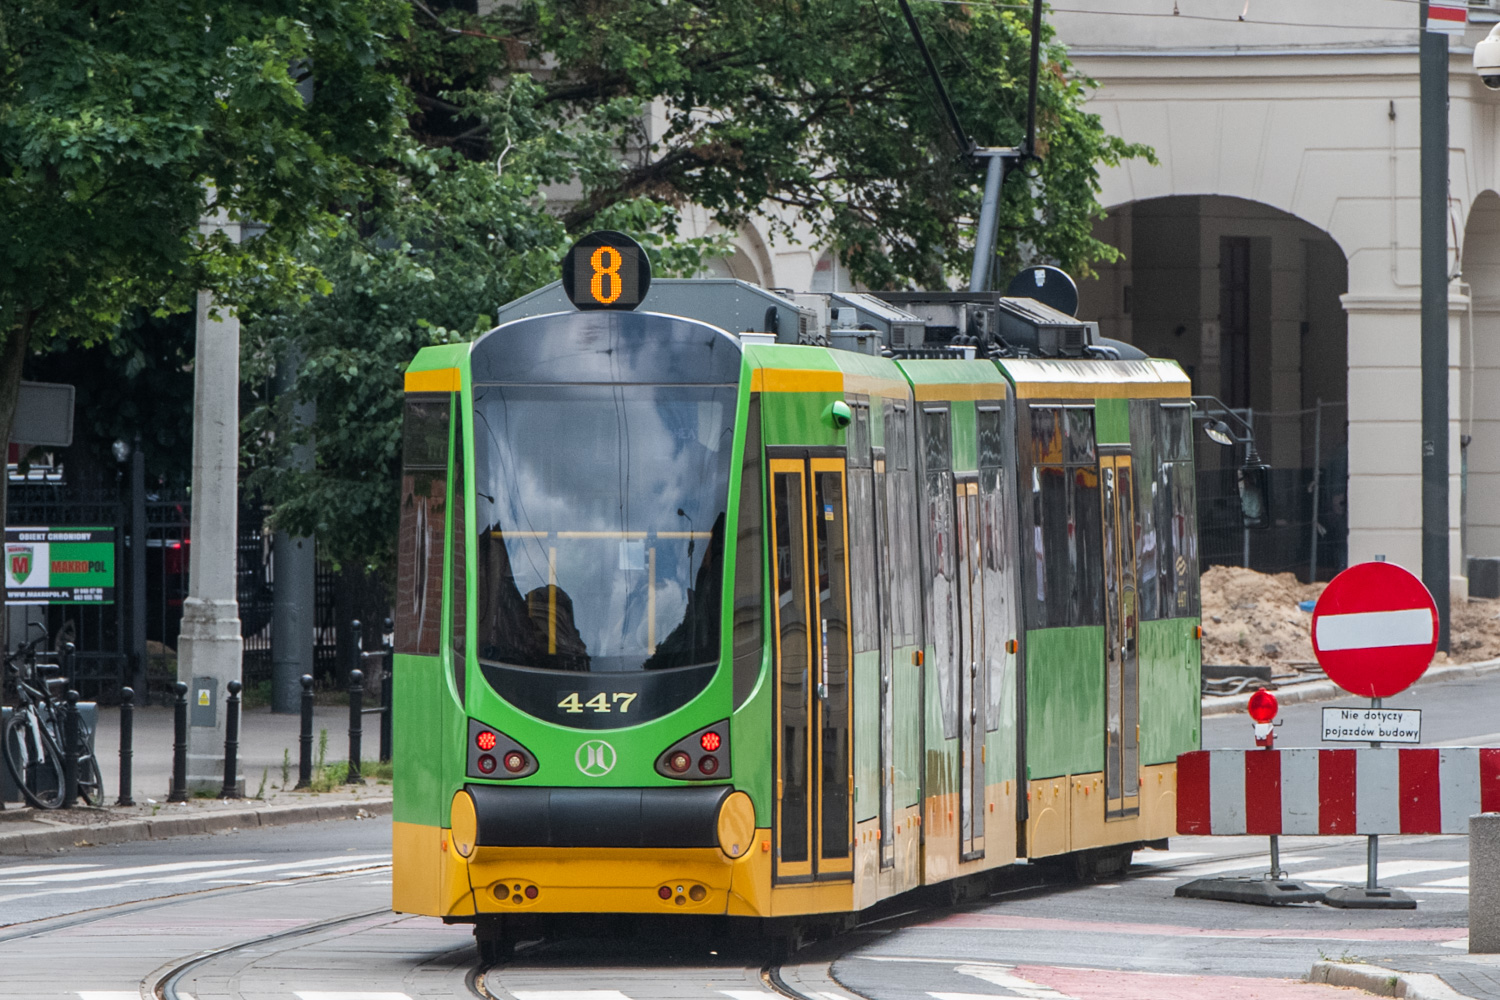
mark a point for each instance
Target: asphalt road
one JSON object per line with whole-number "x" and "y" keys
{"x": 104, "y": 923}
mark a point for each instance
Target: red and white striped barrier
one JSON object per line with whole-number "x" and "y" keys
{"x": 1354, "y": 791}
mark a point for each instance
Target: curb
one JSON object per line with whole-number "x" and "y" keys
{"x": 1384, "y": 982}
{"x": 160, "y": 827}
{"x": 1328, "y": 691}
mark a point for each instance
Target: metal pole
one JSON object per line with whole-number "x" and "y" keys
{"x": 1312, "y": 548}
{"x": 1245, "y": 532}
{"x": 356, "y": 712}
{"x": 1275, "y": 858}
{"x": 1036, "y": 55}
{"x": 179, "y": 744}
{"x": 1372, "y": 852}
{"x": 127, "y": 745}
{"x": 304, "y": 759}
{"x": 231, "y": 788}
{"x": 984, "y": 238}
{"x": 70, "y": 750}
{"x": 1434, "y": 353}
{"x": 139, "y": 658}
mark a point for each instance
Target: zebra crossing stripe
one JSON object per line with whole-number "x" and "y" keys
{"x": 100, "y": 873}
{"x": 358, "y": 995}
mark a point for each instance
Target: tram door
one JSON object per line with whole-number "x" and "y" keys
{"x": 1121, "y": 665}
{"x": 814, "y": 766}
{"x": 970, "y": 654}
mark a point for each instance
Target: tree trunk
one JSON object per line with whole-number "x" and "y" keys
{"x": 12, "y": 355}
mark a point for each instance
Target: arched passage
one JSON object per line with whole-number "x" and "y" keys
{"x": 1479, "y": 382}
{"x": 1246, "y": 298}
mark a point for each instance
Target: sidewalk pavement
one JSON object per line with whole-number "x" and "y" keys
{"x": 1459, "y": 977}
{"x": 268, "y": 744}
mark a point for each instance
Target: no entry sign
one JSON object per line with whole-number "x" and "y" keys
{"x": 1375, "y": 629}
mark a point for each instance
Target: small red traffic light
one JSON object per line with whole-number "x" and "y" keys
{"x": 710, "y": 741}
{"x": 485, "y": 740}
{"x": 1262, "y": 706}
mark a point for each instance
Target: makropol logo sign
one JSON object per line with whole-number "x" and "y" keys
{"x": 59, "y": 565}
{"x": 595, "y": 758}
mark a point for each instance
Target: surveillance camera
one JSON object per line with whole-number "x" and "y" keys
{"x": 1487, "y": 59}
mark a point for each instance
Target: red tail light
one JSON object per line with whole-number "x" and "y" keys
{"x": 710, "y": 741}
{"x": 485, "y": 740}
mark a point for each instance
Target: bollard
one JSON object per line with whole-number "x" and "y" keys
{"x": 127, "y": 745}
{"x": 231, "y": 742}
{"x": 356, "y": 641}
{"x": 179, "y": 744}
{"x": 304, "y": 765}
{"x": 70, "y": 750}
{"x": 387, "y": 682}
{"x": 1484, "y": 883}
{"x": 356, "y": 711}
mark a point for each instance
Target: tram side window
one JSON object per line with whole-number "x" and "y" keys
{"x": 1145, "y": 449}
{"x": 1065, "y": 572}
{"x": 749, "y": 596}
{"x": 424, "y": 505}
{"x": 1176, "y": 512}
{"x": 942, "y": 573}
{"x": 901, "y": 487}
{"x": 862, "y": 567}
{"x": 459, "y": 624}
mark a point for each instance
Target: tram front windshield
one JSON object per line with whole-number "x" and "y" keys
{"x": 600, "y": 512}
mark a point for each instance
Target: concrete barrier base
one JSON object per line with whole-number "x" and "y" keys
{"x": 1484, "y": 883}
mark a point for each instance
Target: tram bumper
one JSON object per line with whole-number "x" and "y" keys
{"x": 611, "y": 850}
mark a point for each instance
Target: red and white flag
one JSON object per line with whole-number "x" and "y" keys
{"x": 1446, "y": 17}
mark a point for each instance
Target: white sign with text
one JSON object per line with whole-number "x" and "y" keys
{"x": 1372, "y": 725}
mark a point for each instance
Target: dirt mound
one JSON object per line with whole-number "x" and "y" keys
{"x": 1253, "y": 618}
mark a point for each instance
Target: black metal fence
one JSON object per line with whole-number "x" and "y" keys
{"x": 106, "y": 653}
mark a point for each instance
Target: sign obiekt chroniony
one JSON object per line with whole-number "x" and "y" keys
{"x": 1372, "y": 725}
{"x": 69, "y": 565}
{"x": 1375, "y": 629}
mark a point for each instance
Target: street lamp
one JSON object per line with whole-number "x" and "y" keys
{"x": 1254, "y": 477}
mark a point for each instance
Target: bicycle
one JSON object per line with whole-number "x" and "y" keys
{"x": 32, "y": 741}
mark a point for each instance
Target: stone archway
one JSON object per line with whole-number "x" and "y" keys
{"x": 1246, "y": 297}
{"x": 1478, "y": 364}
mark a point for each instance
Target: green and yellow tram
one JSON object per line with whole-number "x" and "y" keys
{"x": 694, "y": 622}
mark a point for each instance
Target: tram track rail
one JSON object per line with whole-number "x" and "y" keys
{"x": 165, "y": 983}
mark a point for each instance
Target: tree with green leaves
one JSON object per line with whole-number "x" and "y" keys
{"x": 811, "y": 112}
{"x": 440, "y": 244}
{"x": 122, "y": 126}
{"x": 816, "y": 111}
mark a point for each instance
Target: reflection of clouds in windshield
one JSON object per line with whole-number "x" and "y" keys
{"x": 604, "y": 461}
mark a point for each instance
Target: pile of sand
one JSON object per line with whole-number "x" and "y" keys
{"x": 1253, "y": 618}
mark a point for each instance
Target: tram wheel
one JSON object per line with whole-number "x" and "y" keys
{"x": 492, "y": 942}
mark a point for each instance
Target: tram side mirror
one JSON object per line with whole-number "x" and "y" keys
{"x": 1255, "y": 495}
{"x": 839, "y": 414}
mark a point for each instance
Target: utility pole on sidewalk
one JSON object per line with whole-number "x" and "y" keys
{"x": 1434, "y": 339}
{"x": 209, "y": 648}
{"x": 293, "y": 593}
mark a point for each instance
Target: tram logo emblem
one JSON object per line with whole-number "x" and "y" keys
{"x": 595, "y": 758}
